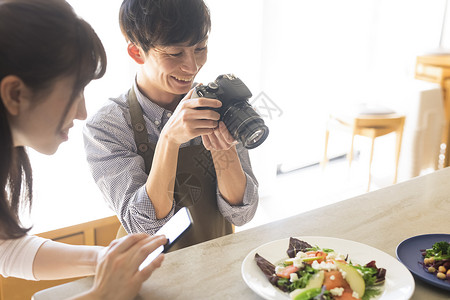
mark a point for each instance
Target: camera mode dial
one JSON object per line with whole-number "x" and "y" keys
{"x": 205, "y": 91}
{"x": 212, "y": 87}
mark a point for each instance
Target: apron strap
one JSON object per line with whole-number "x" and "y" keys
{"x": 139, "y": 129}
{"x": 195, "y": 184}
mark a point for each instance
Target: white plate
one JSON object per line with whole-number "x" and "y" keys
{"x": 399, "y": 282}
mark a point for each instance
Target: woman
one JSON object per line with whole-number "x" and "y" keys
{"x": 47, "y": 56}
{"x": 151, "y": 150}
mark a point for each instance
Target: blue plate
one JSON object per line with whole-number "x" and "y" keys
{"x": 408, "y": 253}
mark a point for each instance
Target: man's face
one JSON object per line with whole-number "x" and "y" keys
{"x": 172, "y": 69}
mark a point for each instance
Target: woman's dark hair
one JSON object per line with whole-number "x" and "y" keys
{"x": 150, "y": 23}
{"x": 41, "y": 41}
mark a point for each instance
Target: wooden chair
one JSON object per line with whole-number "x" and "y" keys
{"x": 369, "y": 122}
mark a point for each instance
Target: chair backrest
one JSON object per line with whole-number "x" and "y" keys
{"x": 425, "y": 127}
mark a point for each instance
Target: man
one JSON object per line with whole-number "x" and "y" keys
{"x": 151, "y": 150}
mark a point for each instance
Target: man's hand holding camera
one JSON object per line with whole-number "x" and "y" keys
{"x": 188, "y": 121}
{"x": 220, "y": 139}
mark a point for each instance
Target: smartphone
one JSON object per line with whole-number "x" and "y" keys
{"x": 173, "y": 230}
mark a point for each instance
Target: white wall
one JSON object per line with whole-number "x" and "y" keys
{"x": 306, "y": 56}
{"x": 325, "y": 54}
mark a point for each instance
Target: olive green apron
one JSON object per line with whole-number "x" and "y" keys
{"x": 194, "y": 187}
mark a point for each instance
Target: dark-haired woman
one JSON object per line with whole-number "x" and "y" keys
{"x": 151, "y": 151}
{"x": 47, "y": 56}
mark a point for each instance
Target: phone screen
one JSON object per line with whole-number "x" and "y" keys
{"x": 173, "y": 229}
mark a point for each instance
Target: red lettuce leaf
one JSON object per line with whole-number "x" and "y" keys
{"x": 295, "y": 246}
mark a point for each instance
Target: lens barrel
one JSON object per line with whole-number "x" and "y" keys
{"x": 245, "y": 124}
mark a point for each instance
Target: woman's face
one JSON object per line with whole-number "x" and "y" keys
{"x": 170, "y": 70}
{"x": 38, "y": 123}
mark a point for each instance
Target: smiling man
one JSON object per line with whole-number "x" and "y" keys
{"x": 151, "y": 150}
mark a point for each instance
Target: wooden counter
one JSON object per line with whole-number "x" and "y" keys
{"x": 381, "y": 219}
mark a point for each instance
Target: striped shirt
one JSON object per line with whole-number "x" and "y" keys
{"x": 119, "y": 170}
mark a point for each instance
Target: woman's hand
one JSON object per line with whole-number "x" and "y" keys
{"x": 219, "y": 139}
{"x": 188, "y": 122}
{"x": 117, "y": 274}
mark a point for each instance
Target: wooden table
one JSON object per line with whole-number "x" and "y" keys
{"x": 381, "y": 219}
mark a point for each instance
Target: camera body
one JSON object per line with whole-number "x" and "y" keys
{"x": 242, "y": 121}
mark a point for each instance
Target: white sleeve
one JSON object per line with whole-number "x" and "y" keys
{"x": 17, "y": 256}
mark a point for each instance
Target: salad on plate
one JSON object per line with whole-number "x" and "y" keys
{"x": 310, "y": 272}
{"x": 436, "y": 260}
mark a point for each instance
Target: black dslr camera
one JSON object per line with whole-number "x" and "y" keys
{"x": 242, "y": 121}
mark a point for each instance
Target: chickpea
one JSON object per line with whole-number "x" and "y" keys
{"x": 431, "y": 269}
{"x": 442, "y": 269}
{"x": 441, "y": 275}
{"x": 428, "y": 261}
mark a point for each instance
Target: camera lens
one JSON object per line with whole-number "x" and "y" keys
{"x": 253, "y": 133}
{"x": 256, "y": 136}
{"x": 245, "y": 125}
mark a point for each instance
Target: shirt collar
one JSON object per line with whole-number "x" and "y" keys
{"x": 150, "y": 109}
